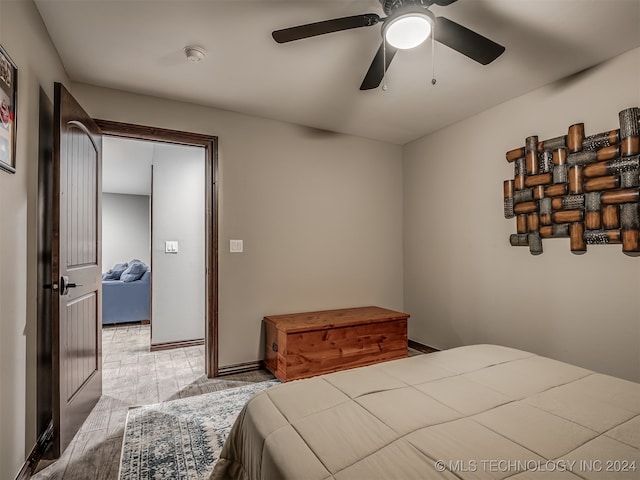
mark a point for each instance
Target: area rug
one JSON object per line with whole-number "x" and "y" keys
{"x": 181, "y": 439}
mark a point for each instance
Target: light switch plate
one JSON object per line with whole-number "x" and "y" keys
{"x": 235, "y": 246}
{"x": 171, "y": 246}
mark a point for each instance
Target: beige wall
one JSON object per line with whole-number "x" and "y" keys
{"x": 320, "y": 214}
{"x": 465, "y": 284}
{"x": 25, "y": 39}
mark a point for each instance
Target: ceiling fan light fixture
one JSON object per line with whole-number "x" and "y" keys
{"x": 408, "y": 30}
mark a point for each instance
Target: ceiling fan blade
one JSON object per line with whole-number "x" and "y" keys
{"x": 328, "y": 26}
{"x": 466, "y": 41}
{"x": 374, "y": 76}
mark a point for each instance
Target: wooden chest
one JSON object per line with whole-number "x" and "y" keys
{"x": 307, "y": 344}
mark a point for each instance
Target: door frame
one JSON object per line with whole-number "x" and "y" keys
{"x": 210, "y": 144}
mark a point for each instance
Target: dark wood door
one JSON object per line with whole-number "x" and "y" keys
{"x": 76, "y": 268}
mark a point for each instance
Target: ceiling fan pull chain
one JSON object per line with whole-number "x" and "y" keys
{"x": 433, "y": 57}
{"x": 384, "y": 65}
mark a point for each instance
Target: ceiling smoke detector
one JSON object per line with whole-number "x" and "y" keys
{"x": 195, "y": 54}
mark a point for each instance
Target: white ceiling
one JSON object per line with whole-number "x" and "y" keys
{"x": 137, "y": 46}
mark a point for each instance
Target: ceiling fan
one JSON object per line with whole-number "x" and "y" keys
{"x": 407, "y": 25}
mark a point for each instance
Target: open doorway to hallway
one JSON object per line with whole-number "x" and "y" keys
{"x": 153, "y": 242}
{"x": 120, "y": 392}
{"x": 208, "y": 144}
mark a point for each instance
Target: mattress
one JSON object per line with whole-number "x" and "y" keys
{"x": 475, "y": 412}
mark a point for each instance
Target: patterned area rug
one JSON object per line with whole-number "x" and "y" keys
{"x": 181, "y": 439}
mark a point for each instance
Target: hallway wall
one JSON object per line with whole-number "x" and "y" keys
{"x": 178, "y": 279}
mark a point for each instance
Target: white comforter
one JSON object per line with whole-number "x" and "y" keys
{"x": 474, "y": 412}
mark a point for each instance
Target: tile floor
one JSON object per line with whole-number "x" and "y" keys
{"x": 132, "y": 375}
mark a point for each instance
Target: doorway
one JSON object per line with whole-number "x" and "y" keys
{"x": 69, "y": 351}
{"x": 153, "y": 235}
{"x": 169, "y": 139}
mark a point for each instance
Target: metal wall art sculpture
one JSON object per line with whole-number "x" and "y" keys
{"x": 583, "y": 188}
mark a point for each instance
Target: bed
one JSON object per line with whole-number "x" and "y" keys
{"x": 481, "y": 411}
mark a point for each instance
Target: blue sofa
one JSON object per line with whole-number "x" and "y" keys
{"x": 126, "y": 301}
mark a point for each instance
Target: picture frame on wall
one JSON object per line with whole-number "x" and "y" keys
{"x": 8, "y": 109}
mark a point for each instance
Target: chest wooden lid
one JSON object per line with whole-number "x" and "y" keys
{"x": 327, "y": 319}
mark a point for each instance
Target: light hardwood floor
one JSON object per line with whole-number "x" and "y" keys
{"x": 132, "y": 375}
